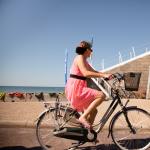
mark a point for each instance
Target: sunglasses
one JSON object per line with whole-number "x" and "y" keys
{"x": 90, "y": 49}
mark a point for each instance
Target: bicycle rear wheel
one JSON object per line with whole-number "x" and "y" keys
{"x": 50, "y": 121}
{"x": 136, "y": 137}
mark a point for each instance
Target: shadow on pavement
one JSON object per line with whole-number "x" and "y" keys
{"x": 97, "y": 147}
{"x": 100, "y": 147}
{"x": 20, "y": 148}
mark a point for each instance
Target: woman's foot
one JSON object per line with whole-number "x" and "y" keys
{"x": 85, "y": 123}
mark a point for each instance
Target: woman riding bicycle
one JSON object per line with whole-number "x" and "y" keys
{"x": 83, "y": 98}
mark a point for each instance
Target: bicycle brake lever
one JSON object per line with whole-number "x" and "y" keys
{"x": 119, "y": 76}
{"x": 109, "y": 78}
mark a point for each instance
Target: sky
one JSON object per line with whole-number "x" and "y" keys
{"x": 35, "y": 34}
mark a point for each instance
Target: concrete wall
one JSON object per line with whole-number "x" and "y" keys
{"x": 148, "y": 86}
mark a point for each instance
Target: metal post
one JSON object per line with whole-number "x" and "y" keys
{"x": 120, "y": 58}
{"x": 133, "y": 51}
{"x": 66, "y": 63}
{"x": 131, "y": 55}
{"x": 102, "y": 64}
{"x": 91, "y": 62}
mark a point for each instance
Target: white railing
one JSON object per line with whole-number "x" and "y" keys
{"x": 128, "y": 56}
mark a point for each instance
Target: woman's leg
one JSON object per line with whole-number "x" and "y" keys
{"x": 84, "y": 117}
{"x": 92, "y": 116}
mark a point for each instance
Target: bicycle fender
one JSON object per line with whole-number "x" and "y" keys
{"x": 119, "y": 112}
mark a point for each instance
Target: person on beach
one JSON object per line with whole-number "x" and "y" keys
{"x": 83, "y": 98}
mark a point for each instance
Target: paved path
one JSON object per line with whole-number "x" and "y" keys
{"x": 23, "y": 114}
{"x": 18, "y": 139}
{"x": 25, "y": 139}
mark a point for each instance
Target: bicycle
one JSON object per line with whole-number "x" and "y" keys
{"x": 129, "y": 128}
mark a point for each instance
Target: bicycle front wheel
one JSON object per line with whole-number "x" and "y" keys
{"x": 48, "y": 123}
{"x": 133, "y": 132}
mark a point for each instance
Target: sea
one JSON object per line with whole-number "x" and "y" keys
{"x": 31, "y": 89}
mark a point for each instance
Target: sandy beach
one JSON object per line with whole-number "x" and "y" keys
{"x": 30, "y": 97}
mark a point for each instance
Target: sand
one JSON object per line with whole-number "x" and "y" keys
{"x": 31, "y": 97}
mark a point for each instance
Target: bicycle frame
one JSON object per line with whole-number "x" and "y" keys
{"x": 66, "y": 114}
{"x": 116, "y": 100}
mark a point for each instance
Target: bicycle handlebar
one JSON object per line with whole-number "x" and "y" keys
{"x": 117, "y": 75}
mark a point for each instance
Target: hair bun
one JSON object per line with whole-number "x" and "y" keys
{"x": 80, "y": 50}
{"x": 86, "y": 44}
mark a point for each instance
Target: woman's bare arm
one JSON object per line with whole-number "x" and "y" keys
{"x": 88, "y": 71}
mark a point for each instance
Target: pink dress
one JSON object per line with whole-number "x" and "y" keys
{"x": 77, "y": 92}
